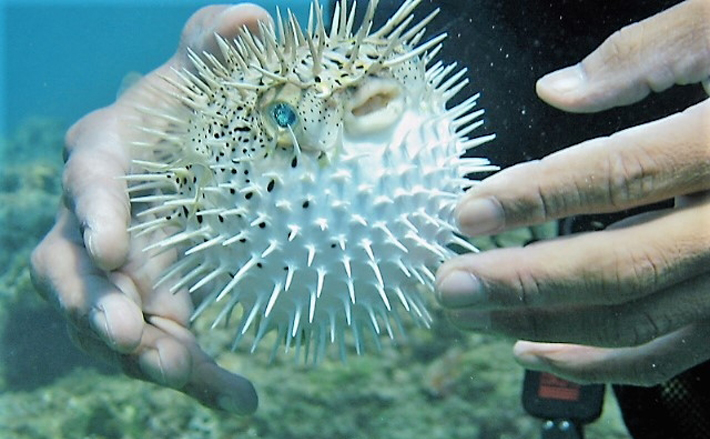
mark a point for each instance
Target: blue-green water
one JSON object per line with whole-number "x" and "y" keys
{"x": 63, "y": 59}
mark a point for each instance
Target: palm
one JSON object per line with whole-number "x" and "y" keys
{"x": 98, "y": 275}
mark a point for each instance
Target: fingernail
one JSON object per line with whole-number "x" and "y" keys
{"x": 480, "y": 216}
{"x": 89, "y": 241}
{"x": 100, "y": 325}
{"x": 151, "y": 365}
{"x": 459, "y": 288}
{"x": 563, "y": 81}
{"x": 242, "y": 399}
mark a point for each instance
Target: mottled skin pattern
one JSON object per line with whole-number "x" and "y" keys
{"x": 311, "y": 178}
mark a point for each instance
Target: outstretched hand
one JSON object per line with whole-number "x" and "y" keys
{"x": 630, "y": 304}
{"x": 95, "y": 272}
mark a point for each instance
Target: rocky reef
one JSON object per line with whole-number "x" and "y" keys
{"x": 440, "y": 383}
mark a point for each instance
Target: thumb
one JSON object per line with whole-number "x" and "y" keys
{"x": 672, "y": 47}
{"x": 206, "y": 381}
{"x": 226, "y": 21}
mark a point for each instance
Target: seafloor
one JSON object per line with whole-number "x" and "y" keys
{"x": 441, "y": 383}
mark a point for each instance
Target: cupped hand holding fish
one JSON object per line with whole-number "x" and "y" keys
{"x": 95, "y": 273}
{"x": 630, "y": 304}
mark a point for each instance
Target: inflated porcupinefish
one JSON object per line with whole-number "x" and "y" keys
{"x": 309, "y": 179}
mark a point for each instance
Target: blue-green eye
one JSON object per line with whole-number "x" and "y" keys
{"x": 283, "y": 114}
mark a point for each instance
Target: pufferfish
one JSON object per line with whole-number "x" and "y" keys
{"x": 309, "y": 178}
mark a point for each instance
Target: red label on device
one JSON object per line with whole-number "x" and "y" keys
{"x": 552, "y": 387}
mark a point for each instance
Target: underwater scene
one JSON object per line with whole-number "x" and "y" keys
{"x": 439, "y": 383}
{"x": 63, "y": 60}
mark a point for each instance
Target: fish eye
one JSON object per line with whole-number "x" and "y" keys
{"x": 283, "y": 114}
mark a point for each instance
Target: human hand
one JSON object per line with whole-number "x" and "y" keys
{"x": 96, "y": 273}
{"x": 630, "y": 304}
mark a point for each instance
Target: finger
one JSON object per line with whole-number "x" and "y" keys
{"x": 637, "y": 166}
{"x": 226, "y": 21}
{"x": 159, "y": 358}
{"x": 64, "y": 274}
{"x": 92, "y": 345}
{"x": 649, "y": 364}
{"x": 198, "y": 36}
{"x": 613, "y": 266}
{"x": 220, "y": 389}
{"x": 627, "y": 324}
{"x": 209, "y": 383}
{"x": 93, "y": 189}
{"x": 137, "y": 278}
{"x": 170, "y": 356}
{"x": 672, "y": 47}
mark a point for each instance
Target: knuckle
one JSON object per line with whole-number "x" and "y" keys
{"x": 533, "y": 325}
{"x": 546, "y": 204}
{"x": 625, "y": 47}
{"x": 72, "y": 138}
{"x": 528, "y": 203}
{"x": 641, "y": 327}
{"x": 636, "y": 271}
{"x": 632, "y": 173}
{"x": 551, "y": 198}
{"x": 644, "y": 329}
{"x": 526, "y": 288}
{"x": 619, "y": 46}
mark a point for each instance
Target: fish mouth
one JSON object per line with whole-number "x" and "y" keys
{"x": 377, "y": 104}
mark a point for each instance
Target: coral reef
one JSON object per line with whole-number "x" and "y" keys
{"x": 29, "y": 189}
